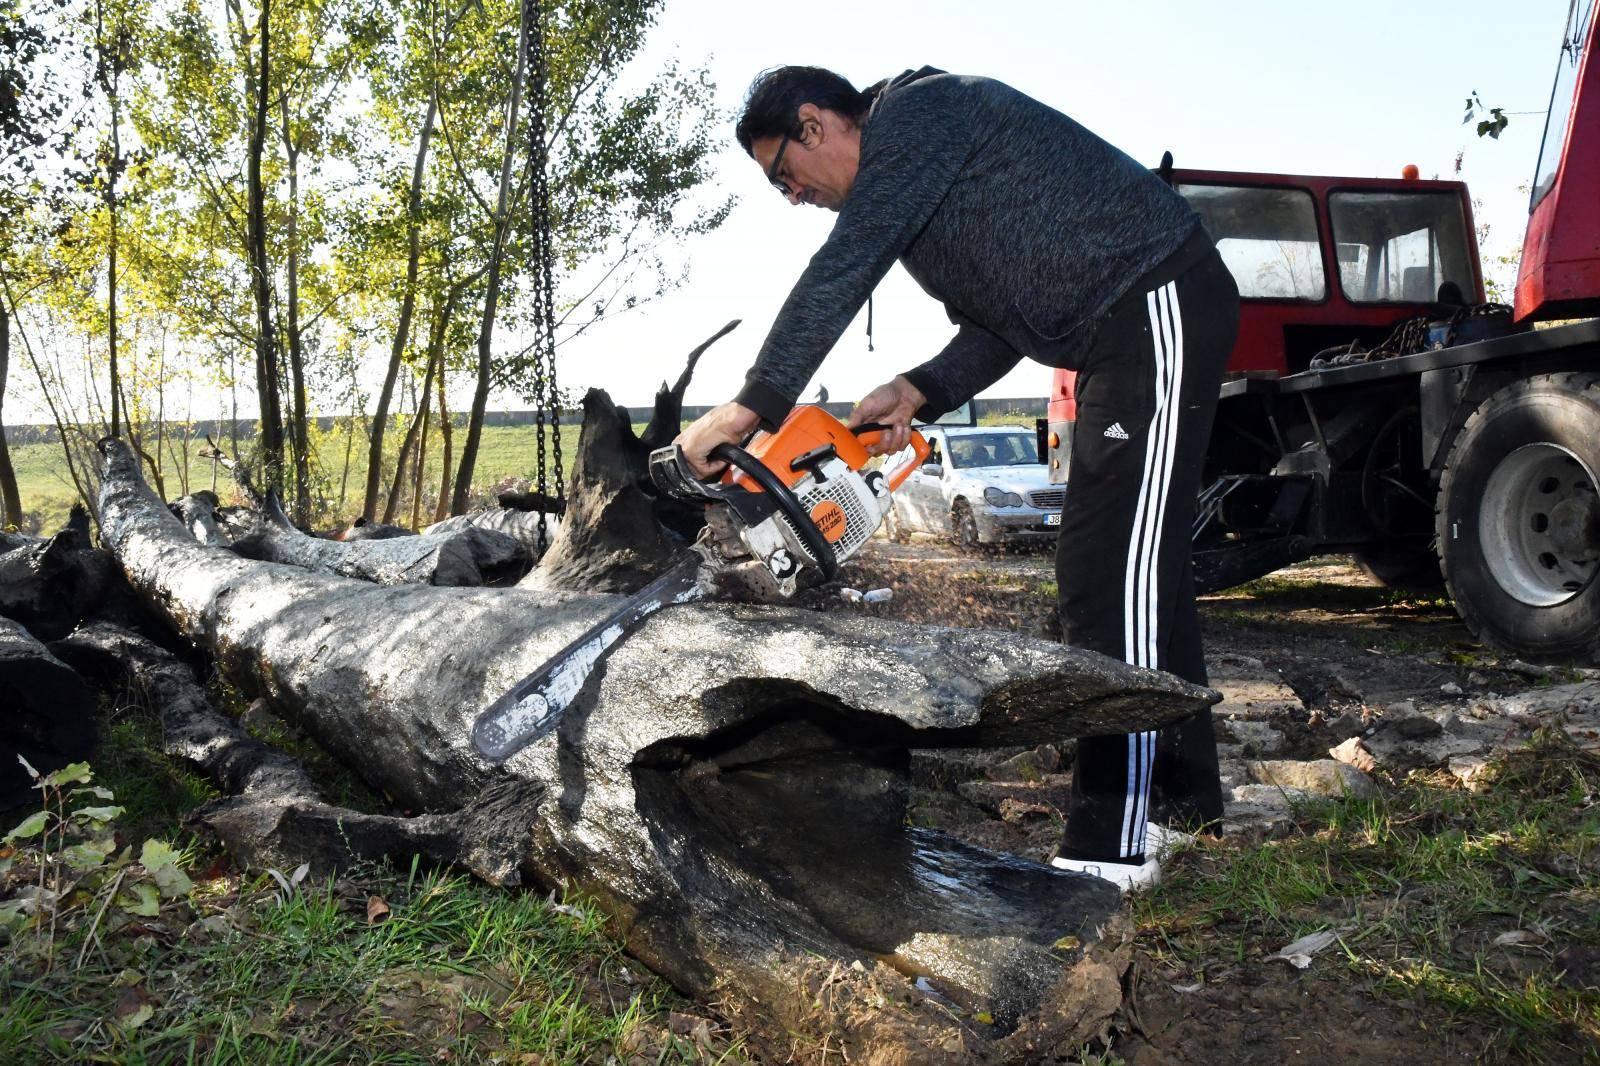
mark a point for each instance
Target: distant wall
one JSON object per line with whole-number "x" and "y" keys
{"x": 1025, "y": 407}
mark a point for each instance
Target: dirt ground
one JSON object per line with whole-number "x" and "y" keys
{"x": 1307, "y": 659}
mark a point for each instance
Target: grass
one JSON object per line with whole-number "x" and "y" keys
{"x": 1423, "y": 879}
{"x": 382, "y": 965}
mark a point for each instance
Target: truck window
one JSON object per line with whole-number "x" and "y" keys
{"x": 1266, "y": 237}
{"x": 1400, "y": 246}
{"x": 1561, "y": 100}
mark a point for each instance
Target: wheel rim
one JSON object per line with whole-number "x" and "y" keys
{"x": 1539, "y": 524}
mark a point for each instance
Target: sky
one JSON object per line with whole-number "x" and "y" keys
{"x": 1358, "y": 89}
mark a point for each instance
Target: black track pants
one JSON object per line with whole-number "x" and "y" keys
{"x": 1146, "y": 397}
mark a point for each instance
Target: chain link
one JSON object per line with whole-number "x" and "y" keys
{"x": 547, "y": 395}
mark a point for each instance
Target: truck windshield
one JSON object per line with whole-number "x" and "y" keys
{"x": 992, "y": 449}
{"x": 1561, "y": 98}
{"x": 1400, "y": 246}
{"x": 1266, "y": 237}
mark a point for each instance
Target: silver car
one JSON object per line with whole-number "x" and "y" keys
{"x": 980, "y": 485}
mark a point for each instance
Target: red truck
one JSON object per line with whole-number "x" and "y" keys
{"x": 1375, "y": 404}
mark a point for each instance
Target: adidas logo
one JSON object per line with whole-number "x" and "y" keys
{"x": 1116, "y": 432}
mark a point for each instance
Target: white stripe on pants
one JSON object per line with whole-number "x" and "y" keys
{"x": 1141, "y": 607}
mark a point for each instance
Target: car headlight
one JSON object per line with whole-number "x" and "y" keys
{"x": 995, "y": 497}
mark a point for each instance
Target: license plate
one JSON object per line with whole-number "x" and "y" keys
{"x": 1053, "y": 519}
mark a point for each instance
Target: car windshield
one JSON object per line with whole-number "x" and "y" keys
{"x": 992, "y": 449}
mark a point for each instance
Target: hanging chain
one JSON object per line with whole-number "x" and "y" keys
{"x": 547, "y": 397}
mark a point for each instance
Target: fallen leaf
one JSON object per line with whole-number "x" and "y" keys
{"x": 1519, "y": 938}
{"x": 133, "y": 1007}
{"x": 377, "y": 910}
{"x": 1298, "y": 953}
{"x": 1354, "y": 753}
{"x": 1188, "y": 989}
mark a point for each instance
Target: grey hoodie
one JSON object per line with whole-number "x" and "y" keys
{"x": 1024, "y": 224}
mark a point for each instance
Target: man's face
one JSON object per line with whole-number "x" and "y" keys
{"x": 819, "y": 166}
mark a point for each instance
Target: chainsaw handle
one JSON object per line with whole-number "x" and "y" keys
{"x": 827, "y": 560}
{"x": 919, "y": 447}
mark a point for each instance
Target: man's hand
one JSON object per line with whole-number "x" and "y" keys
{"x": 892, "y": 404}
{"x": 730, "y": 423}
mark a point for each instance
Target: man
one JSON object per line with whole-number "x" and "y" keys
{"x": 1042, "y": 241}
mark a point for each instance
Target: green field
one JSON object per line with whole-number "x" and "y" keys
{"x": 505, "y": 452}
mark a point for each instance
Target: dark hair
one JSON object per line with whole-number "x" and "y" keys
{"x": 775, "y": 98}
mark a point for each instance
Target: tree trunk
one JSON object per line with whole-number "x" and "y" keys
{"x": 491, "y": 297}
{"x": 268, "y": 376}
{"x": 408, "y": 302}
{"x": 731, "y": 788}
{"x": 441, "y": 509}
{"x": 421, "y": 462}
{"x": 10, "y": 498}
{"x": 299, "y": 431}
{"x": 441, "y": 329}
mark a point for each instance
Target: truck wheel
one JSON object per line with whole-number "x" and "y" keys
{"x": 1518, "y": 518}
{"x": 964, "y": 527}
{"x": 1401, "y": 568}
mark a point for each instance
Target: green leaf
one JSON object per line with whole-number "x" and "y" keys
{"x": 77, "y": 773}
{"x": 87, "y": 856}
{"x": 94, "y": 790}
{"x": 31, "y": 826}
{"x": 143, "y": 1013}
{"x": 172, "y": 881}
{"x": 142, "y": 900}
{"x": 156, "y": 854}
{"x": 99, "y": 814}
{"x": 13, "y": 912}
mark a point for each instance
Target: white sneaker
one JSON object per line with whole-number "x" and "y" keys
{"x": 1126, "y": 876}
{"x": 1162, "y": 842}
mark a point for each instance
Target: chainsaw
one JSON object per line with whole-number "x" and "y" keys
{"x": 790, "y": 507}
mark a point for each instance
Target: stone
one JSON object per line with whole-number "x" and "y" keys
{"x": 1450, "y": 688}
{"x": 1316, "y": 777}
{"x": 1256, "y": 738}
{"x": 1417, "y": 727}
{"x": 1031, "y": 765}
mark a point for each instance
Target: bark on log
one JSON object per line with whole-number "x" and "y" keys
{"x": 46, "y": 713}
{"x": 521, "y": 526}
{"x": 730, "y": 786}
{"x": 469, "y": 557}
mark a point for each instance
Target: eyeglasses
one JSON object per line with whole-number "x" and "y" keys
{"x": 772, "y": 171}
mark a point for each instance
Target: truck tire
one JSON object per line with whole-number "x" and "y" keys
{"x": 1401, "y": 568}
{"x": 1518, "y": 517}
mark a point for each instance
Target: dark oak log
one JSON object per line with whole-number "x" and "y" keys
{"x": 47, "y": 714}
{"x": 730, "y": 787}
